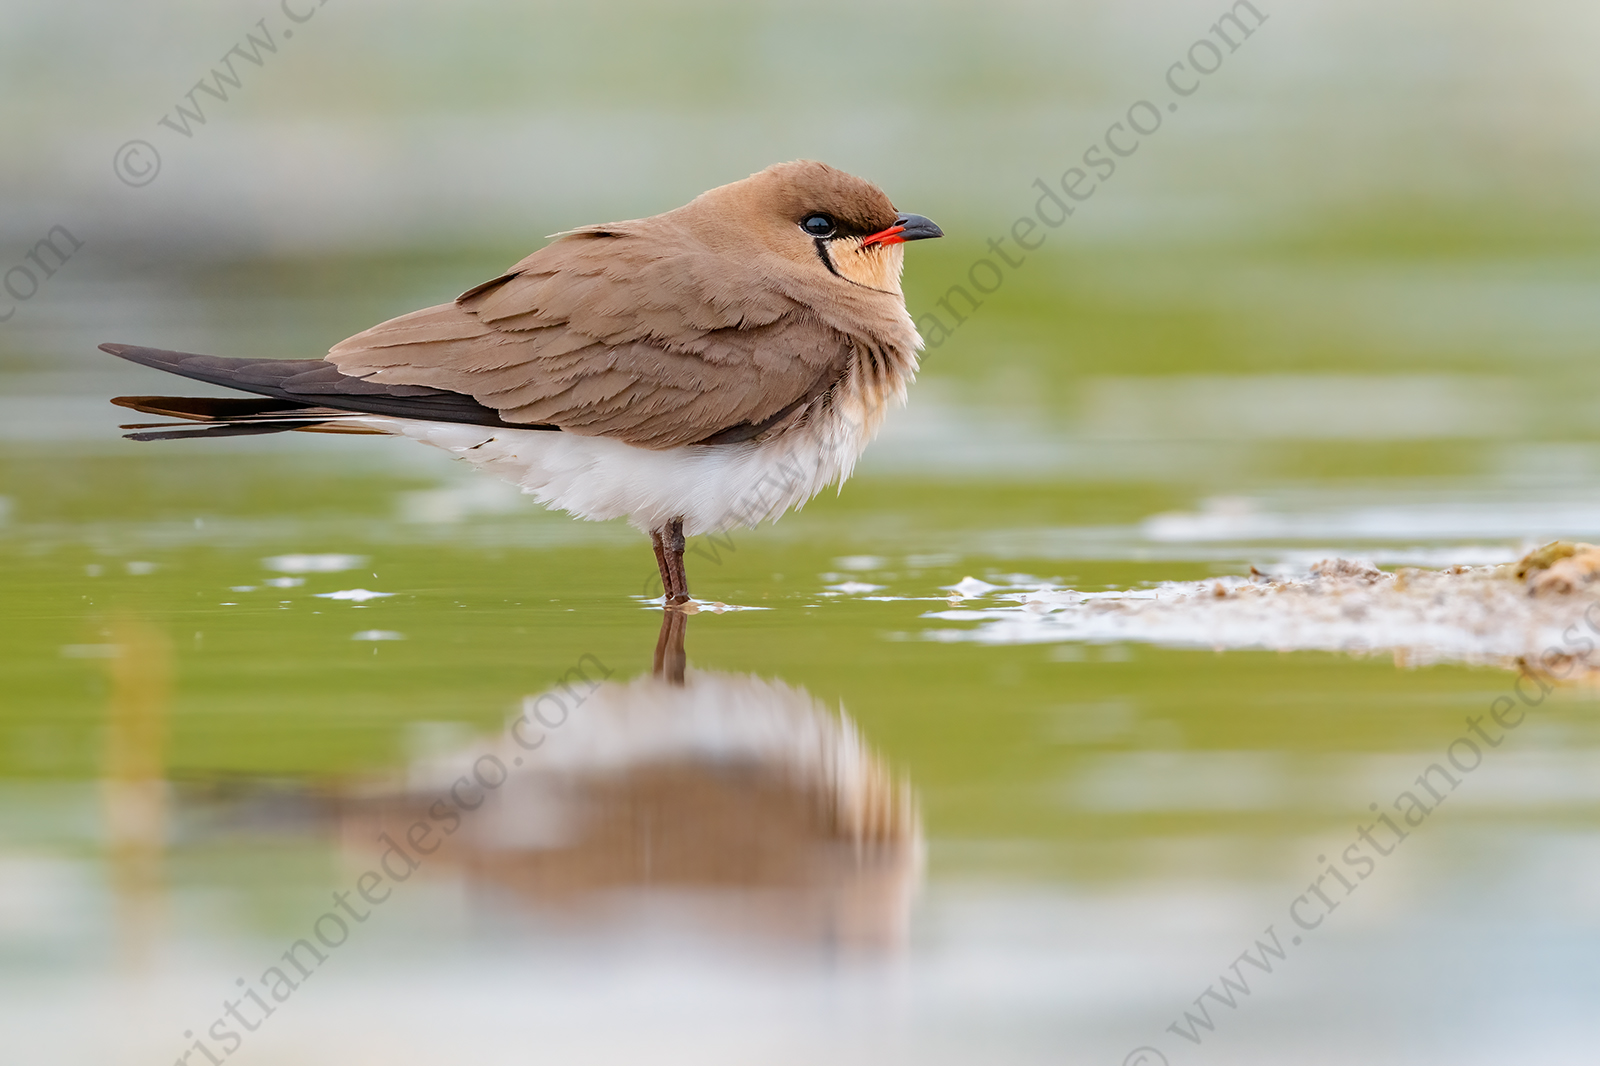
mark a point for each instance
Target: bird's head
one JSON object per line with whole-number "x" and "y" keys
{"x": 822, "y": 220}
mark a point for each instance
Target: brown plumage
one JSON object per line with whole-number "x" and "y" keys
{"x": 758, "y": 313}
{"x": 668, "y": 330}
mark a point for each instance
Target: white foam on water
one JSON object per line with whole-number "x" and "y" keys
{"x": 330, "y": 563}
{"x": 354, "y": 595}
{"x": 1475, "y": 615}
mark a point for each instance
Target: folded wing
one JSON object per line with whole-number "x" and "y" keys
{"x": 632, "y": 331}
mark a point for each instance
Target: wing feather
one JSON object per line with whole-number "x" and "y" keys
{"x": 634, "y": 331}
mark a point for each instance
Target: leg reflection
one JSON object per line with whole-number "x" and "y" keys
{"x": 670, "y": 656}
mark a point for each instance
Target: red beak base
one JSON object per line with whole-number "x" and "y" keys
{"x": 886, "y": 236}
{"x": 890, "y": 236}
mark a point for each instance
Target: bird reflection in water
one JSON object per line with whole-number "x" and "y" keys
{"x": 727, "y": 801}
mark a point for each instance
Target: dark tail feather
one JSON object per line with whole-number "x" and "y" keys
{"x": 212, "y": 408}
{"x": 233, "y": 417}
{"x": 225, "y": 429}
{"x": 315, "y": 383}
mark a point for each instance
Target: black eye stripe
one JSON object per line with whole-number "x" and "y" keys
{"x": 827, "y": 261}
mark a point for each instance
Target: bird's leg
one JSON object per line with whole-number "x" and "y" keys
{"x": 668, "y": 543}
{"x": 670, "y": 656}
{"x": 673, "y": 549}
{"x": 659, "y": 545}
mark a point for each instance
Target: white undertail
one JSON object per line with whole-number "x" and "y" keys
{"x": 711, "y": 487}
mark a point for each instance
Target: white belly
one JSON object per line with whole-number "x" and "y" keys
{"x": 711, "y": 487}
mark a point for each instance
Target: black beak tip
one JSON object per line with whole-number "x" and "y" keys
{"x": 918, "y": 227}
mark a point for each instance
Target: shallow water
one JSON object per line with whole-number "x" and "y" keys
{"x": 862, "y": 829}
{"x": 919, "y": 803}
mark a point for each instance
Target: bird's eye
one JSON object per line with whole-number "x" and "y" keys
{"x": 818, "y": 225}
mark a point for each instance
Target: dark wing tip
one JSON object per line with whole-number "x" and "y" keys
{"x": 296, "y": 383}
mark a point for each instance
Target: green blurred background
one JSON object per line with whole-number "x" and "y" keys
{"x": 1342, "y": 302}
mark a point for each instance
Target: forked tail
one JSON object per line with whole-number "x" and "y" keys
{"x": 233, "y": 417}
{"x": 295, "y": 394}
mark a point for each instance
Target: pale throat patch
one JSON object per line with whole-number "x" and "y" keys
{"x": 878, "y": 266}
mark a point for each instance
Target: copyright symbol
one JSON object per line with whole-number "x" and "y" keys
{"x": 1145, "y": 1056}
{"x": 137, "y": 163}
